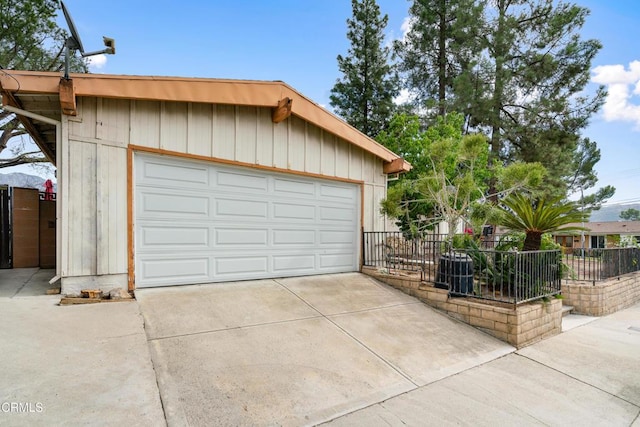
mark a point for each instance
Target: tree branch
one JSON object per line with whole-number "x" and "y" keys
{"x": 24, "y": 158}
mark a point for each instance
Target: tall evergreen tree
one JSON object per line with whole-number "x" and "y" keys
{"x": 30, "y": 39}
{"x": 364, "y": 95}
{"x": 517, "y": 70}
{"x": 584, "y": 176}
{"x": 439, "y": 51}
{"x": 535, "y": 67}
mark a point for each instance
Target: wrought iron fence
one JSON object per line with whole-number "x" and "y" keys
{"x": 514, "y": 277}
{"x": 47, "y": 196}
{"x": 595, "y": 265}
{"x": 479, "y": 271}
{"x": 390, "y": 249}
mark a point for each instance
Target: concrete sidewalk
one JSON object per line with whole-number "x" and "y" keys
{"x": 25, "y": 282}
{"x": 72, "y": 365}
{"x": 588, "y": 376}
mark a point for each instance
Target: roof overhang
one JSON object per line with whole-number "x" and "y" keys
{"x": 48, "y": 94}
{"x": 604, "y": 228}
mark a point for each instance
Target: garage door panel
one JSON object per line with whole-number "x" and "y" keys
{"x": 170, "y": 269}
{"x": 233, "y": 223}
{"x": 337, "y": 237}
{"x": 241, "y": 208}
{"x": 294, "y": 211}
{"x": 241, "y": 237}
{"x": 241, "y": 265}
{"x": 335, "y": 260}
{"x": 176, "y": 175}
{"x": 284, "y": 237}
{"x": 334, "y": 192}
{"x": 242, "y": 181}
{"x": 173, "y": 236}
{"x": 287, "y": 263}
{"x": 151, "y": 203}
{"x": 333, "y": 214}
{"x": 288, "y": 188}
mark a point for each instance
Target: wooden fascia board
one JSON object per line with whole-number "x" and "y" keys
{"x": 26, "y": 81}
{"x": 9, "y": 99}
{"x": 211, "y": 91}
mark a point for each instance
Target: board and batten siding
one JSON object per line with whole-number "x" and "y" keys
{"x": 95, "y": 189}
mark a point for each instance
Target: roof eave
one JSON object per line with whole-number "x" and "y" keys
{"x": 215, "y": 91}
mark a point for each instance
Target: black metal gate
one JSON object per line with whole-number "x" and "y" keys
{"x": 5, "y": 228}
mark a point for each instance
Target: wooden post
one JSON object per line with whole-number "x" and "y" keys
{"x": 282, "y": 111}
{"x": 68, "y": 97}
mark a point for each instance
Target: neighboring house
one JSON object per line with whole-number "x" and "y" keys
{"x": 169, "y": 181}
{"x": 600, "y": 235}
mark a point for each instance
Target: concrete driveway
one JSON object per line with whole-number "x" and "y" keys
{"x": 299, "y": 350}
{"x": 71, "y": 365}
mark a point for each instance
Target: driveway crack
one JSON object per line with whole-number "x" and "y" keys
{"x": 385, "y": 361}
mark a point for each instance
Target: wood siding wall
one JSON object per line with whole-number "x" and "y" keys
{"x": 26, "y": 227}
{"x": 96, "y": 188}
{"x": 47, "y": 217}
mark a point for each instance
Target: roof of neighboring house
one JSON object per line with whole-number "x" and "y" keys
{"x": 608, "y": 227}
{"x": 42, "y": 93}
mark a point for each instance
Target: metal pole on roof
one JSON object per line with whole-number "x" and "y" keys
{"x": 66, "y": 59}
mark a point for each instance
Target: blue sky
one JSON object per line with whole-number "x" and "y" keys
{"x": 298, "y": 41}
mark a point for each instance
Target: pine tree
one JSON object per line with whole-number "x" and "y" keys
{"x": 584, "y": 176}
{"x": 439, "y": 52}
{"x": 364, "y": 95}
{"x": 535, "y": 66}
{"x": 517, "y": 70}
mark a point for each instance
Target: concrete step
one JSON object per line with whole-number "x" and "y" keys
{"x": 571, "y": 321}
{"x": 566, "y": 310}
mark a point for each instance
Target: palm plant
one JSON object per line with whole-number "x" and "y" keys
{"x": 536, "y": 217}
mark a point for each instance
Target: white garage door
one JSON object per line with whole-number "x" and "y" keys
{"x": 198, "y": 222}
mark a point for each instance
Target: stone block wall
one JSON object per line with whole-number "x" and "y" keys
{"x": 519, "y": 326}
{"x": 604, "y": 297}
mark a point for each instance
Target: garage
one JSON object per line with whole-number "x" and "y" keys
{"x": 201, "y": 222}
{"x": 172, "y": 180}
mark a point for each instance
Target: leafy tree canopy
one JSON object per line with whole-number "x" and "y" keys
{"x": 630, "y": 215}
{"x": 450, "y": 175}
{"x": 30, "y": 39}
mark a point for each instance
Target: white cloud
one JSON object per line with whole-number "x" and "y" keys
{"x": 403, "y": 97}
{"x": 97, "y": 62}
{"x": 622, "y": 84}
{"x": 407, "y": 23}
{"x": 391, "y": 37}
